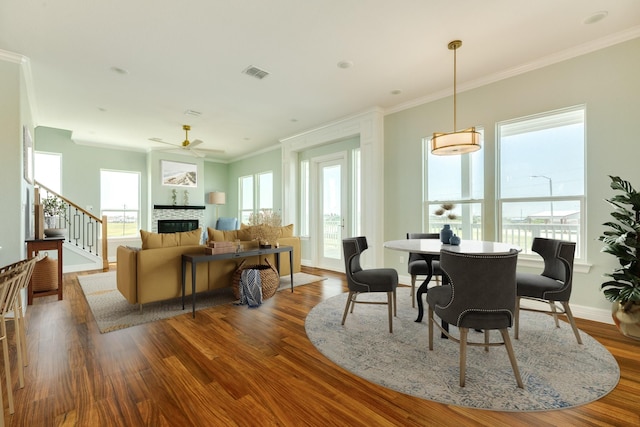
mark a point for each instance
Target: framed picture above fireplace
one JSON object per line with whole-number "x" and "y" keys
{"x": 179, "y": 174}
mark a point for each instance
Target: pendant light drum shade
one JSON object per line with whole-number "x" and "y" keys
{"x": 465, "y": 141}
{"x": 448, "y": 144}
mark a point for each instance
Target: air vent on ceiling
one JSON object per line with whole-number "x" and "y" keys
{"x": 192, "y": 113}
{"x": 256, "y": 72}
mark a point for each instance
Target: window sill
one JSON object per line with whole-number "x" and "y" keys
{"x": 578, "y": 266}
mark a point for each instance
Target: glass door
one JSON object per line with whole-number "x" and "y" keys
{"x": 331, "y": 213}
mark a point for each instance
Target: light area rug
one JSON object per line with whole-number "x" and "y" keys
{"x": 113, "y": 312}
{"x": 557, "y": 372}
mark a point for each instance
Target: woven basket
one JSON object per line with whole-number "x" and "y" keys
{"x": 269, "y": 278}
{"x": 45, "y": 275}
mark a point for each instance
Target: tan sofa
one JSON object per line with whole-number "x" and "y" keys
{"x": 154, "y": 272}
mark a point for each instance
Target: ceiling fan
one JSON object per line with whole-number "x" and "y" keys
{"x": 187, "y": 145}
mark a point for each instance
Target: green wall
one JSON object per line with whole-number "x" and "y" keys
{"x": 606, "y": 81}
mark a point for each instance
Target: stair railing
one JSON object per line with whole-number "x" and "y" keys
{"x": 83, "y": 228}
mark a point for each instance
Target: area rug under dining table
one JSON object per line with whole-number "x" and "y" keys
{"x": 113, "y": 312}
{"x": 557, "y": 372}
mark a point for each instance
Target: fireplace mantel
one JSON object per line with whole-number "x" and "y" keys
{"x": 178, "y": 207}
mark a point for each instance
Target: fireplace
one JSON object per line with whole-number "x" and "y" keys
{"x": 176, "y": 225}
{"x": 172, "y": 213}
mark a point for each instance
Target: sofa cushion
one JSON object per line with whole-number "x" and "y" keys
{"x": 164, "y": 240}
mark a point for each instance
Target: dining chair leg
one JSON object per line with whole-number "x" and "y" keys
{"x": 413, "y": 291}
{"x": 16, "y": 328}
{"x": 516, "y": 319}
{"x": 23, "y": 333}
{"x": 554, "y": 312}
{"x": 7, "y": 366}
{"x": 512, "y": 356}
{"x": 572, "y": 321}
{"x": 346, "y": 308}
{"x": 486, "y": 340}
{"x": 430, "y": 317}
{"x": 463, "y": 354}
{"x": 395, "y": 304}
{"x": 390, "y": 301}
{"x": 352, "y": 298}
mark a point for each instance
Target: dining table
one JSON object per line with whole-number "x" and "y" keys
{"x": 429, "y": 250}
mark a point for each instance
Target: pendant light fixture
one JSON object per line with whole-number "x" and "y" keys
{"x": 464, "y": 141}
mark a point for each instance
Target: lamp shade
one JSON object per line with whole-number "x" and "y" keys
{"x": 217, "y": 198}
{"x": 448, "y": 144}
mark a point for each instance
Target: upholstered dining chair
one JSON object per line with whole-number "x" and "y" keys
{"x": 370, "y": 280}
{"x": 417, "y": 265}
{"x": 553, "y": 285}
{"x": 481, "y": 294}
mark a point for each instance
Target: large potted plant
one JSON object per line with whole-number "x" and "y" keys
{"x": 622, "y": 240}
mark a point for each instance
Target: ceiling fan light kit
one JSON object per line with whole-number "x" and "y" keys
{"x": 188, "y": 145}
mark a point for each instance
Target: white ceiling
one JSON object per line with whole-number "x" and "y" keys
{"x": 189, "y": 55}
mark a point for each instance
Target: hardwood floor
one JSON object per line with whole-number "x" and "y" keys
{"x": 247, "y": 367}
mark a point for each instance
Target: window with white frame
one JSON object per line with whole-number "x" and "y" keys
{"x": 120, "y": 202}
{"x": 356, "y": 224}
{"x": 48, "y": 170}
{"x": 541, "y": 191}
{"x": 304, "y": 198}
{"x": 255, "y": 194}
{"x": 454, "y": 180}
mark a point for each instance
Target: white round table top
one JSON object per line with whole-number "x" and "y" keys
{"x": 434, "y": 246}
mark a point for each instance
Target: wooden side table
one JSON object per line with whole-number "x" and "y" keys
{"x": 34, "y": 246}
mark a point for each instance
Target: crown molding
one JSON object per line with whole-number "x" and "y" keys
{"x": 583, "y": 49}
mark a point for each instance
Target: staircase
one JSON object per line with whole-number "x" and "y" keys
{"x": 86, "y": 234}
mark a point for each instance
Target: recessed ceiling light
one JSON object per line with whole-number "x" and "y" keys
{"x": 192, "y": 113}
{"x": 345, "y": 64}
{"x": 596, "y": 17}
{"x": 396, "y": 92}
{"x": 119, "y": 70}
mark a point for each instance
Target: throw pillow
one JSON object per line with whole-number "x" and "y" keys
{"x": 286, "y": 231}
{"x": 164, "y": 240}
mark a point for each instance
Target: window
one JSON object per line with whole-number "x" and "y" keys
{"x": 48, "y": 170}
{"x": 254, "y": 198}
{"x": 457, "y": 180}
{"x": 356, "y": 199}
{"x": 120, "y": 202}
{"x": 304, "y": 198}
{"x": 541, "y": 178}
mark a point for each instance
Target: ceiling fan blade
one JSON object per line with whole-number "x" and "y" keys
{"x": 164, "y": 142}
{"x": 194, "y": 143}
{"x": 197, "y": 153}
